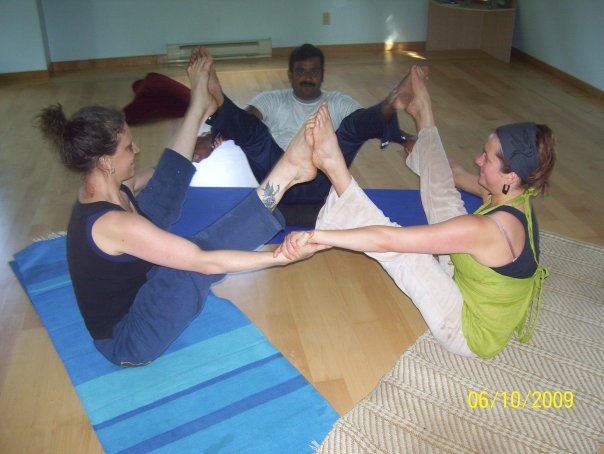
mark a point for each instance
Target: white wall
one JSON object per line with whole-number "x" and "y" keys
{"x": 21, "y": 37}
{"x": 89, "y": 29}
{"x": 568, "y": 35}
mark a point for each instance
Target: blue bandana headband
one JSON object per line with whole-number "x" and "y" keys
{"x": 519, "y": 145}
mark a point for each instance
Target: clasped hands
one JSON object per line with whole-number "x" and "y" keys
{"x": 299, "y": 245}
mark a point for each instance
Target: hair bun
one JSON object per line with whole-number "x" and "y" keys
{"x": 52, "y": 122}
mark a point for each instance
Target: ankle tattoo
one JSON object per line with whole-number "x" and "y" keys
{"x": 269, "y": 195}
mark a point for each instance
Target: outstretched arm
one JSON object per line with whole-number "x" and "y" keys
{"x": 465, "y": 234}
{"x": 118, "y": 232}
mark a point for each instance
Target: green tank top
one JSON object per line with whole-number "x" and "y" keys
{"x": 496, "y": 305}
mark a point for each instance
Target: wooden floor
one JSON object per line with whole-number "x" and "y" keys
{"x": 337, "y": 317}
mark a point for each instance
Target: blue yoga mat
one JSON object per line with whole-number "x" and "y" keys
{"x": 220, "y": 387}
{"x": 204, "y": 206}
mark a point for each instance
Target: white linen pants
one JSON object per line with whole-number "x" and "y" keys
{"x": 425, "y": 280}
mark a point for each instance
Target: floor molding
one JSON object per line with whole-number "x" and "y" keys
{"x": 350, "y": 49}
{"x": 526, "y": 58}
{"x": 24, "y": 75}
{"x": 107, "y": 63}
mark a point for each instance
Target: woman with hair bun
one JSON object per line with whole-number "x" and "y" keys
{"x": 137, "y": 285}
{"x": 487, "y": 281}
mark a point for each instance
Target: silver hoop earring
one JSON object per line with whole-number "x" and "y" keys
{"x": 506, "y": 188}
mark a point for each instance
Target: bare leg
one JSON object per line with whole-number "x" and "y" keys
{"x": 204, "y": 146}
{"x": 296, "y": 166}
{"x": 327, "y": 155}
{"x": 201, "y": 106}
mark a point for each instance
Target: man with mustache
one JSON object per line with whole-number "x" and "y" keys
{"x": 282, "y": 112}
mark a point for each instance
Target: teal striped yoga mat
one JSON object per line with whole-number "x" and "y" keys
{"x": 220, "y": 387}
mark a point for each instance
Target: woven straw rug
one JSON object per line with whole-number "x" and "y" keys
{"x": 433, "y": 402}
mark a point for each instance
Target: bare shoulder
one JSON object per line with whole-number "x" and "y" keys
{"x": 118, "y": 232}
{"x": 470, "y": 233}
{"x": 118, "y": 220}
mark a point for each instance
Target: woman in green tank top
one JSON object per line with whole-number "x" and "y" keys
{"x": 481, "y": 288}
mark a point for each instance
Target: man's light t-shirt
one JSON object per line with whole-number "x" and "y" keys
{"x": 284, "y": 114}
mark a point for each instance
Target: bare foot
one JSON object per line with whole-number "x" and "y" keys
{"x": 295, "y": 166}
{"x": 420, "y": 107}
{"x": 402, "y": 93}
{"x": 327, "y": 155}
{"x": 299, "y": 153}
{"x": 326, "y": 151}
{"x": 198, "y": 71}
{"x": 214, "y": 84}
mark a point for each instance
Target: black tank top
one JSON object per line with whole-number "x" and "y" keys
{"x": 105, "y": 286}
{"x": 525, "y": 265}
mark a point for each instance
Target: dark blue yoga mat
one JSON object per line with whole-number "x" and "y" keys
{"x": 204, "y": 206}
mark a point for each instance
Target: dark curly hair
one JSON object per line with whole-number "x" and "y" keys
{"x": 81, "y": 140}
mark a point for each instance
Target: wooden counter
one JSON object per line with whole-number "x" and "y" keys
{"x": 453, "y": 26}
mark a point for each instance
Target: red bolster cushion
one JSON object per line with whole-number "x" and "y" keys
{"x": 156, "y": 97}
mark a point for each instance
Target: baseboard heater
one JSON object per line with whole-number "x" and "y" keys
{"x": 256, "y": 48}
